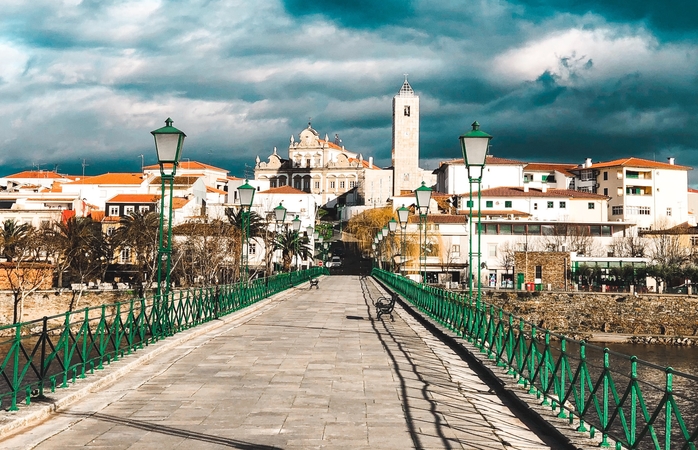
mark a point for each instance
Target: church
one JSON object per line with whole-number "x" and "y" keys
{"x": 337, "y": 176}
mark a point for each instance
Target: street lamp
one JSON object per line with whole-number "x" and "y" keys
{"x": 246, "y": 194}
{"x": 474, "y": 145}
{"x": 168, "y": 145}
{"x": 392, "y": 226}
{"x": 280, "y": 216}
{"x": 423, "y": 194}
{"x": 296, "y": 228}
{"x": 402, "y": 215}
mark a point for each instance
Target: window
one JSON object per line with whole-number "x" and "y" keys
{"x": 519, "y": 229}
{"x": 113, "y": 211}
{"x": 617, "y": 210}
{"x": 272, "y": 183}
{"x": 632, "y": 174}
{"x": 539, "y": 272}
{"x": 668, "y": 211}
{"x": 110, "y": 230}
{"x": 407, "y": 110}
{"x": 332, "y": 184}
{"x": 455, "y": 250}
{"x": 563, "y": 205}
{"x": 492, "y": 249}
{"x": 352, "y": 184}
{"x": 638, "y": 211}
{"x": 469, "y": 204}
{"x": 490, "y": 228}
{"x": 587, "y": 175}
{"x": 505, "y": 228}
{"x": 125, "y": 255}
{"x": 534, "y": 229}
{"x": 551, "y": 204}
{"x": 341, "y": 184}
{"x": 535, "y": 206}
{"x": 544, "y": 178}
{"x": 252, "y": 248}
{"x": 507, "y": 203}
{"x": 307, "y": 162}
{"x": 316, "y": 185}
{"x": 694, "y": 241}
{"x": 129, "y": 209}
{"x": 306, "y": 185}
{"x": 297, "y": 183}
{"x": 605, "y": 176}
{"x": 605, "y": 191}
{"x": 590, "y": 205}
{"x": 144, "y": 209}
{"x": 489, "y": 204}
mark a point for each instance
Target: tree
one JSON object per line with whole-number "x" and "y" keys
{"x": 292, "y": 244}
{"x": 23, "y": 271}
{"x": 364, "y": 226}
{"x": 138, "y": 232}
{"x": 206, "y": 249}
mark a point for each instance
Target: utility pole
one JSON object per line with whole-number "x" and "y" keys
{"x": 84, "y": 164}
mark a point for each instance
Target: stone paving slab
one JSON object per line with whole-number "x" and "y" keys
{"x": 314, "y": 370}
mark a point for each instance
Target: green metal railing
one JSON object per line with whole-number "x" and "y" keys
{"x": 632, "y": 404}
{"x": 54, "y": 351}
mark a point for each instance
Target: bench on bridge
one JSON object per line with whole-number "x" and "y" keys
{"x": 314, "y": 282}
{"x": 385, "y": 305}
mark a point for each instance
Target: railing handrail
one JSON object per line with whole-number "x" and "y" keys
{"x": 623, "y": 405}
{"x": 52, "y": 351}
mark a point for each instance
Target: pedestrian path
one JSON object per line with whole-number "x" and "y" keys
{"x": 314, "y": 370}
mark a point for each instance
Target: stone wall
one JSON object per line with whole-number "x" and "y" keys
{"x": 554, "y": 266}
{"x": 50, "y": 303}
{"x": 581, "y": 314}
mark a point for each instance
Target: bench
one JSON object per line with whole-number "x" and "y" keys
{"x": 314, "y": 282}
{"x": 385, "y": 305}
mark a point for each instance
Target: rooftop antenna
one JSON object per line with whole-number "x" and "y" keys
{"x": 55, "y": 168}
{"x": 84, "y": 164}
{"x": 142, "y": 162}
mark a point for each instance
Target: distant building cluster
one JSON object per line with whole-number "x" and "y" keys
{"x": 582, "y": 208}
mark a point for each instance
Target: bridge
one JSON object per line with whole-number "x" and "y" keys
{"x": 280, "y": 365}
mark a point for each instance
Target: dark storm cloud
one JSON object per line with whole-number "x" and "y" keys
{"x": 355, "y": 14}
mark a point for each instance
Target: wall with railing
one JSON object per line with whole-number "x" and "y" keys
{"x": 631, "y": 403}
{"x": 52, "y": 352}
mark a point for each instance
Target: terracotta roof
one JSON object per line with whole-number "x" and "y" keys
{"x": 365, "y": 164}
{"x": 179, "y": 180}
{"x": 440, "y": 218}
{"x": 111, "y": 219}
{"x": 330, "y": 144}
{"x": 112, "y": 178}
{"x": 35, "y": 174}
{"x": 179, "y": 202}
{"x": 533, "y": 192}
{"x": 97, "y": 216}
{"x": 693, "y": 191}
{"x": 217, "y": 191}
{"x": 638, "y": 162}
{"x": 230, "y": 177}
{"x": 51, "y": 199}
{"x": 284, "y": 190}
{"x": 491, "y": 160}
{"x": 186, "y": 165}
{"x": 549, "y": 167}
{"x": 134, "y": 198}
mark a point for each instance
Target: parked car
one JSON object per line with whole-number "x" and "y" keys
{"x": 336, "y": 261}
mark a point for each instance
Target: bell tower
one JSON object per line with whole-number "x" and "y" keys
{"x": 406, "y": 172}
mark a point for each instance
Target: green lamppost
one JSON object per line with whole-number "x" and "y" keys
{"x": 402, "y": 215}
{"x": 423, "y": 194}
{"x": 246, "y": 193}
{"x": 296, "y": 223}
{"x": 392, "y": 226}
{"x": 280, "y": 217}
{"x": 474, "y": 145}
{"x": 168, "y": 145}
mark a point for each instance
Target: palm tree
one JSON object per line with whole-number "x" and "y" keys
{"x": 292, "y": 244}
{"x": 12, "y": 236}
{"x": 139, "y": 233}
{"x": 257, "y": 224}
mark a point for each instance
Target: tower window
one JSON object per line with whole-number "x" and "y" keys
{"x": 407, "y": 110}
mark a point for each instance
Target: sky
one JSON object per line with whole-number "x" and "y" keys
{"x": 82, "y": 83}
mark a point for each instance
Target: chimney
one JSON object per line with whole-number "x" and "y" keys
{"x": 544, "y": 188}
{"x": 525, "y": 185}
{"x": 671, "y": 161}
{"x": 587, "y": 164}
{"x": 370, "y": 162}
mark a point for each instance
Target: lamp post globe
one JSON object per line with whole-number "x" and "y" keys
{"x": 474, "y": 145}
{"x": 423, "y": 194}
{"x": 169, "y": 142}
{"x": 296, "y": 224}
{"x": 402, "y": 217}
{"x": 280, "y": 214}
{"x": 392, "y": 225}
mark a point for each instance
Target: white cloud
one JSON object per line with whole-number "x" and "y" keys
{"x": 14, "y": 62}
{"x": 580, "y": 56}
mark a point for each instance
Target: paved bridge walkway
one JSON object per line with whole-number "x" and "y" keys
{"x": 305, "y": 369}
